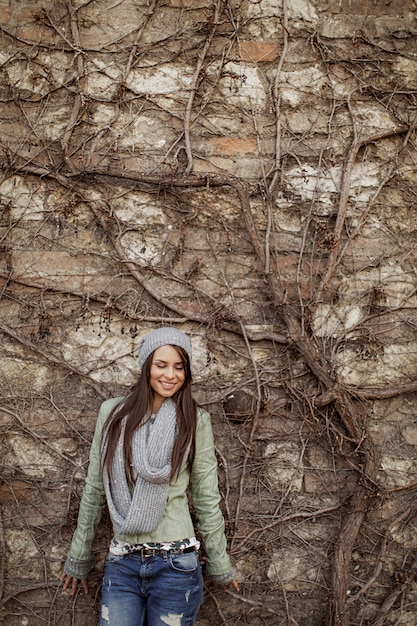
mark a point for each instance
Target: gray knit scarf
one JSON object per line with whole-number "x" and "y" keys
{"x": 152, "y": 446}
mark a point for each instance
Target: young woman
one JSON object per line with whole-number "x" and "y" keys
{"x": 147, "y": 449}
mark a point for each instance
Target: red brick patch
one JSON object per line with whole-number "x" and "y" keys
{"x": 5, "y": 15}
{"x": 258, "y": 51}
{"x": 233, "y": 145}
{"x": 15, "y": 490}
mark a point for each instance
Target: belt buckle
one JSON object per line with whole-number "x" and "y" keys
{"x": 147, "y": 553}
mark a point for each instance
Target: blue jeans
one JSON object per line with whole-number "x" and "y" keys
{"x": 162, "y": 590}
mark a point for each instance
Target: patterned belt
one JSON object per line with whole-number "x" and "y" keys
{"x": 147, "y": 553}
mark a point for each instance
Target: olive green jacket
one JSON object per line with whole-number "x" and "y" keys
{"x": 176, "y": 523}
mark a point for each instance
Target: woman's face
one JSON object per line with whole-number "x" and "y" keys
{"x": 167, "y": 374}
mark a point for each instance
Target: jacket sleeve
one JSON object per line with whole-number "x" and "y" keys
{"x": 206, "y": 501}
{"x": 92, "y": 504}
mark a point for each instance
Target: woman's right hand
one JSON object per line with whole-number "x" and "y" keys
{"x": 71, "y": 583}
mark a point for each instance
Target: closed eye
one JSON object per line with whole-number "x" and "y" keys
{"x": 161, "y": 366}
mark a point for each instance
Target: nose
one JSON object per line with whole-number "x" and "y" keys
{"x": 170, "y": 372}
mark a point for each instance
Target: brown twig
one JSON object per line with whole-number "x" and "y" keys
{"x": 2, "y": 555}
{"x": 218, "y": 7}
{"x": 357, "y": 144}
{"x": 79, "y": 98}
{"x": 49, "y": 357}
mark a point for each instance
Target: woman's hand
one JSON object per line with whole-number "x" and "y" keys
{"x": 233, "y": 586}
{"x": 70, "y": 582}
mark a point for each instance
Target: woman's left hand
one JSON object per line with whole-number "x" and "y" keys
{"x": 233, "y": 586}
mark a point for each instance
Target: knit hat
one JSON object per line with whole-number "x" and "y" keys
{"x": 162, "y": 337}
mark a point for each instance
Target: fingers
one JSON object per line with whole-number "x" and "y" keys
{"x": 72, "y": 583}
{"x": 66, "y": 580}
{"x": 234, "y": 585}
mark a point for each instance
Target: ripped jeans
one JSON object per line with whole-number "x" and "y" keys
{"x": 162, "y": 590}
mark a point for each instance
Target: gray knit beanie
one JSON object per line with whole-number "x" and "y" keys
{"x": 162, "y": 337}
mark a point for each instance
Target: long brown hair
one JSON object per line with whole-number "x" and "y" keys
{"x": 137, "y": 408}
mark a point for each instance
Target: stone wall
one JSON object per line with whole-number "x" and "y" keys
{"x": 245, "y": 171}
